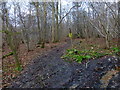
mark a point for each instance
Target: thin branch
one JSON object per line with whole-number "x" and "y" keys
{"x": 69, "y": 12}
{"x": 97, "y": 28}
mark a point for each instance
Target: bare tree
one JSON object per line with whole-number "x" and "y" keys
{"x": 13, "y": 39}
{"x": 53, "y": 22}
{"x": 45, "y": 23}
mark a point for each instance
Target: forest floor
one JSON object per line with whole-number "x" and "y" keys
{"x": 8, "y": 63}
{"x": 51, "y": 71}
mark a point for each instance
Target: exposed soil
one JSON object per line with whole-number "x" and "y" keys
{"x": 8, "y": 63}
{"x": 50, "y": 71}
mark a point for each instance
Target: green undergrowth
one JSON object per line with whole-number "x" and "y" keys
{"x": 79, "y": 56}
{"x": 9, "y": 54}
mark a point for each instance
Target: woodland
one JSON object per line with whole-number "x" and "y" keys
{"x": 60, "y": 44}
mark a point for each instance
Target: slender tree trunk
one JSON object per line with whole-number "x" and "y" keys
{"x": 57, "y": 27}
{"x": 18, "y": 65}
{"x": 53, "y": 22}
{"x": 118, "y": 27}
{"x": 38, "y": 21}
{"x": 60, "y": 27}
{"x": 107, "y": 41}
{"x": 107, "y": 31}
{"x": 45, "y": 24}
{"x": 24, "y": 31}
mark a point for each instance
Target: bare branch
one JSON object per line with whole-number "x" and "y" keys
{"x": 69, "y": 12}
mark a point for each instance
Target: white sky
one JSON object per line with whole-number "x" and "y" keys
{"x": 66, "y": 4}
{"x": 65, "y": 1}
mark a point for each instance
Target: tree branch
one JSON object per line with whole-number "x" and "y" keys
{"x": 69, "y": 12}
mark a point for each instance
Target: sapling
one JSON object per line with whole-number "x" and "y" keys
{"x": 70, "y": 36}
{"x": 13, "y": 42}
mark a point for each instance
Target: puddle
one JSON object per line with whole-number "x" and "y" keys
{"x": 106, "y": 78}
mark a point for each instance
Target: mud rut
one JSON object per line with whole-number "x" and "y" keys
{"x": 50, "y": 71}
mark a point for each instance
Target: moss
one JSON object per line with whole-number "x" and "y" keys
{"x": 9, "y": 54}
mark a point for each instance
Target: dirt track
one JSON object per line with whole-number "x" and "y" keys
{"x": 50, "y": 71}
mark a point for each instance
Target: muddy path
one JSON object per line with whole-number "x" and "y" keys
{"x": 50, "y": 71}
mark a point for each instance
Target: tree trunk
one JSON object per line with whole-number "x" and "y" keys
{"x": 118, "y": 27}
{"x": 53, "y": 22}
{"x": 25, "y": 33}
{"x": 57, "y": 27}
{"x": 45, "y": 24}
{"x": 107, "y": 42}
{"x": 107, "y": 31}
{"x": 38, "y": 21}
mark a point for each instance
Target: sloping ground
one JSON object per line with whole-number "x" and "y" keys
{"x": 51, "y": 71}
{"x": 48, "y": 70}
{"x": 25, "y": 57}
{"x": 115, "y": 81}
{"x": 89, "y": 75}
